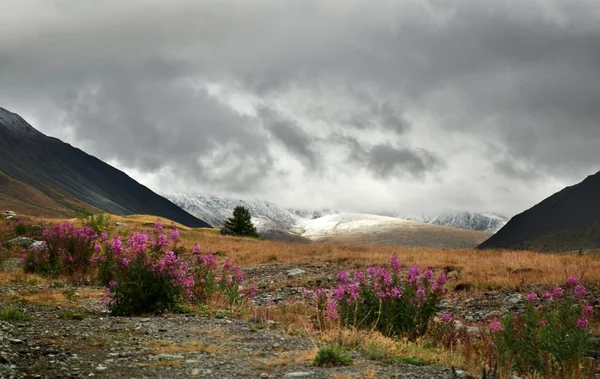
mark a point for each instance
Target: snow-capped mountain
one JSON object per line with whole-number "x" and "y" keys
{"x": 216, "y": 210}
{"x": 485, "y": 222}
{"x": 311, "y": 215}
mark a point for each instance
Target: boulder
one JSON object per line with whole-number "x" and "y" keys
{"x": 295, "y": 272}
{"x": 226, "y": 232}
{"x": 9, "y": 214}
{"x": 37, "y": 245}
{"x": 20, "y": 241}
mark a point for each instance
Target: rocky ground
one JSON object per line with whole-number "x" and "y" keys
{"x": 196, "y": 344}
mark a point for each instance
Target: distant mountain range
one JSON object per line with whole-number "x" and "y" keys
{"x": 41, "y": 175}
{"x": 566, "y": 221}
{"x": 485, "y": 222}
{"x": 277, "y": 222}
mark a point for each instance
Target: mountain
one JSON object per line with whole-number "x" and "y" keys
{"x": 485, "y": 222}
{"x": 311, "y": 215}
{"x": 275, "y": 222}
{"x": 44, "y": 176}
{"x": 568, "y": 220}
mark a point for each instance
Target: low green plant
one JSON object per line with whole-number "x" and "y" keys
{"x": 331, "y": 356}
{"x": 548, "y": 338}
{"x": 98, "y": 222}
{"x": 12, "y": 313}
{"x": 407, "y": 361}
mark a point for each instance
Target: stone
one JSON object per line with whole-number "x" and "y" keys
{"x": 492, "y": 314}
{"x": 7, "y": 214}
{"x": 37, "y": 245}
{"x": 514, "y": 299}
{"x": 170, "y": 357}
{"x": 226, "y": 232}
{"x": 295, "y": 272}
{"x": 20, "y": 241}
{"x": 118, "y": 223}
{"x": 297, "y": 374}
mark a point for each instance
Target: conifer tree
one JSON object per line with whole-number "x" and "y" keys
{"x": 241, "y": 223}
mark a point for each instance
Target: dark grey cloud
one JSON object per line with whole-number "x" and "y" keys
{"x": 486, "y": 104}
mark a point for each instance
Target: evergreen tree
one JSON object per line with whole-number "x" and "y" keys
{"x": 241, "y": 223}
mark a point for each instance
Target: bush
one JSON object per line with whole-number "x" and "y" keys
{"x": 547, "y": 338}
{"x": 241, "y": 223}
{"x": 380, "y": 299}
{"x": 10, "y": 313}
{"x": 99, "y": 223}
{"x": 66, "y": 250}
{"x": 330, "y": 356}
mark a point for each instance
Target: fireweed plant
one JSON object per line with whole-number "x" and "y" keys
{"x": 550, "y": 336}
{"x": 142, "y": 272}
{"x": 65, "y": 250}
{"x": 382, "y": 299}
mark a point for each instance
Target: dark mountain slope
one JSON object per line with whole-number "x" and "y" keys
{"x": 65, "y": 173}
{"x": 567, "y": 220}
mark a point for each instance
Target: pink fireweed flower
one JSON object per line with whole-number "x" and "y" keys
{"x": 97, "y": 247}
{"x": 104, "y": 236}
{"x": 572, "y": 281}
{"x": 116, "y": 246}
{"x": 413, "y": 274}
{"x": 580, "y": 291}
{"x": 547, "y": 296}
{"x": 125, "y": 262}
{"x": 395, "y": 263}
{"x": 158, "y": 226}
{"x": 113, "y": 284}
{"x": 396, "y": 292}
{"x": 532, "y": 297}
{"x": 239, "y": 276}
{"x": 543, "y": 322}
{"x": 588, "y": 310}
{"x": 209, "y": 261}
{"x": 359, "y": 276}
{"x": 352, "y": 290}
{"x": 70, "y": 259}
{"x": 421, "y": 294}
{"x": 307, "y": 292}
{"x": 495, "y": 326}
{"x": 338, "y": 293}
{"x": 582, "y": 323}
{"x": 343, "y": 277}
{"x": 196, "y": 249}
{"x": 428, "y": 274}
{"x": 226, "y": 265}
{"x": 331, "y": 311}
{"x": 558, "y": 292}
{"x": 174, "y": 235}
{"x": 251, "y": 291}
{"x": 446, "y": 318}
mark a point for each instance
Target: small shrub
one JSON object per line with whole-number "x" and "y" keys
{"x": 381, "y": 299}
{"x": 331, "y": 356}
{"x": 100, "y": 223}
{"x": 407, "y": 361}
{"x": 548, "y": 338}
{"x": 11, "y": 313}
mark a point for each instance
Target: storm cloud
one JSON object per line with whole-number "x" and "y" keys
{"x": 411, "y": 106}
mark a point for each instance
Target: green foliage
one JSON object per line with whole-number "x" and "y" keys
{"x": 100, "y": 222}
{"x": 407, "y": 361}
{"x": 141, "y": 289}
{"x": 11, "y": 313}
{"x": 330, "y": 356}
{"x": 547, "y": 339}
{"x": 241, "y": 223}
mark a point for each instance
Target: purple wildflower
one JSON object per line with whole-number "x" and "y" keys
{"x": 428, "y": 274}
{"x": 343, "y": 277}
{"x": 572, "y": 281}
{"x": 580, "y": 291}
{"x": 395, "y": 263}
{"x": 359, "y": 276}
{"x": 331, "y": 311}
{"x": 413, "y": 274}
{"x": 446, "y": 318}
{"x": 558, "y": 292}
{"x": 582, "y": 323}
{"x": 532, "y": 297}
{"x": 495, "y": 326}
{"x": 588, "y": 310}
{"x": 547, "y": 296}
{"x": 196, "y": 249}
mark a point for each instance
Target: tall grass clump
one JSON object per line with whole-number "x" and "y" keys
{"x": 382, "y": 299}
{"x": 552, "y": 335}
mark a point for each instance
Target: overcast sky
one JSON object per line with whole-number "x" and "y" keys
{"x": 411, "y": 106}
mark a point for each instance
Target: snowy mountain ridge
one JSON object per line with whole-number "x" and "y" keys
{"x": 270, "y": 216}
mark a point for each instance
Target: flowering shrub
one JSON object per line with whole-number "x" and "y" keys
{"x": 550, "y": 335}
{"x": 66, "y": 250}
{"x": 381, "y": 299}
